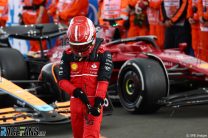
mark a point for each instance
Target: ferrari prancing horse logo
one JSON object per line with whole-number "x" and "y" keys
{"x": 74, "y": 66}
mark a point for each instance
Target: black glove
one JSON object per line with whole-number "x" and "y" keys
{"x": 96, "y": 110}
{"x": 78, "y": 93}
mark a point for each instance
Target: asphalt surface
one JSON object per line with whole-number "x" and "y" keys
{"x": 187, "y": 122}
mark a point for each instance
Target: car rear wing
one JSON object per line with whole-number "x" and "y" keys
{"x": 36, "y": 32}
{"x": 49, "y": 28}
{"x": 149, "y": 38}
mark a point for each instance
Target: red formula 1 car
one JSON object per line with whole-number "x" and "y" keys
{"x": 147, "y": 77}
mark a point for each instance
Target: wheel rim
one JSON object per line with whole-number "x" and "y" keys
{"x": 132, "y": 87}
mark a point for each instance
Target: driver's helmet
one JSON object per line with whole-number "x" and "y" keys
{"x": 81, "y": 34}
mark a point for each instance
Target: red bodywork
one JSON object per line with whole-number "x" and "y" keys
{"x": 178, "y": 64}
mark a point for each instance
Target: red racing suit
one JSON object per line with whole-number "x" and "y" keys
{"x": 174, "y": 15}
{"x": 32, "y": 10}
{"x": 63, "y": 10}
{"x": 135, "y": 29}
{"x": 92, "y": 75}
{"x": 193, "y": 12}
{"x": 3, "y": 12}
{"x": 203, "y": 13}
{"x": 113, "y": 9}
{"x": 155, "y": 25}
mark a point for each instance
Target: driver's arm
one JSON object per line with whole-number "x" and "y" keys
{"x": 104, "y": 75}
{"x": 64, "y": 75}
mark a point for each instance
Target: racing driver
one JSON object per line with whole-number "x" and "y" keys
{"x": 84, "y": 73}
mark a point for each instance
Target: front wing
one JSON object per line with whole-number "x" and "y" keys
{"x": 26, "y": 108}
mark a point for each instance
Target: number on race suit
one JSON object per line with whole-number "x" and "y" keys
{"x": 111, "y": 9}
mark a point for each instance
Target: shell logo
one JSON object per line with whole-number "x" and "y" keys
{"x": 74, "y": 66}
